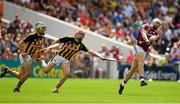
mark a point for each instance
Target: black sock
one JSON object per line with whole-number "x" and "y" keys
{"x": 141, "y": 77}
{"x": 19, "y": 85}
{"x": 10, "y": 71}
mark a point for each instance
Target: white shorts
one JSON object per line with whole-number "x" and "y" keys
{"x": 59, "y": 59}
{"x": 23, "y": 58}
{"x": 138, "y": 48}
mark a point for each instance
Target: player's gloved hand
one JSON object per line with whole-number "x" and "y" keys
{"x": 147, "y": 42}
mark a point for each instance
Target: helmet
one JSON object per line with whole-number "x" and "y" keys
{"x": 156, "y": 23}
{"x": 40, "y": 27}
{"x": 157, "y": 20}
{"x": 80, "y": 32}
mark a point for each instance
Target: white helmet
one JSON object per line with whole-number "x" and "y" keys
{"x": 156, "y": 20}
{"x": 156, "y": 23}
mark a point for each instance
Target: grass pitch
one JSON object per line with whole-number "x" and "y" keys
{"x": 39, "y": 90}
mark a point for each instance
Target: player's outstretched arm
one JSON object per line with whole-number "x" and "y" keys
{"x": 56, "y": 41}
{"x": 144, "y": 36}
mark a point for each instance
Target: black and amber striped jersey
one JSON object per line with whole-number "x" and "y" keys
{"x": 70, "y": 47}
{"x": 32, "y": 43}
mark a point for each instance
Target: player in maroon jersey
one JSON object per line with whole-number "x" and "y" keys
{"x": 147, "y": 34}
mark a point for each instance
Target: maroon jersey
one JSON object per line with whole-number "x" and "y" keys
{"x": 149, "y": 32}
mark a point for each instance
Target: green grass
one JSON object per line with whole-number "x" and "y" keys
{"x": 38, "y": 90}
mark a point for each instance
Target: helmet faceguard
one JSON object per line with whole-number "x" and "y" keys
{"x": 156, "y": 23}
{"x": 41, "y": 28}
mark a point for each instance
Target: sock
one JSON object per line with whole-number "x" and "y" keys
{"x": 12, "y": 72}
{"x": 19, "y": 85}
{"x": 55, "y": 89}
{"x": 8, "y": 70}
{"x": 58, "y": 85}
{"x": 123, "y": 83}
{"x": 141, "y": 78}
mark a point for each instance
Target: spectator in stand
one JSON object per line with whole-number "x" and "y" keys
{"x": 1, "y": 45}
{"x": 116, "y": 54}
{"x": 98, "y": 71}
{"x": 7, "y": 54}
{"x": 176, "y": 59}
{"x": 17, "y": 22}
{"x": 82, "y": 65}
{"x": 175, "y": 52}
{"x": 11, "y": 28}
{"x": 130, "y": 57}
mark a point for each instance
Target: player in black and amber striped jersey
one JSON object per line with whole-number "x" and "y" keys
{"x": 32, "y": 43}
{"x": 28, "y": 50}
{"x": 71, "y": 45}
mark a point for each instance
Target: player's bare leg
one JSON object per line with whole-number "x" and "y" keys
{"x": 7, "y": 70}
{"x": 24, "y": 76}
{"x": 129, "y": 74}
{"x": 141, "y": 69}
{"x": 138, "y": 63}
{"x": 133, "y": 68}
{"x": 66, "y": 74}
{"x": 47, "y": 67}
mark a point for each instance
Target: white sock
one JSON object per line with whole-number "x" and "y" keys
{"x": 12, "y": 72}
{"x": 55, "y": 89}
{"x": 123, "y": 83}
{"x": 142, "y": 79}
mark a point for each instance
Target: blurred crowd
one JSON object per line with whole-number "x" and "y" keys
{"x": 116, "y": 19}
